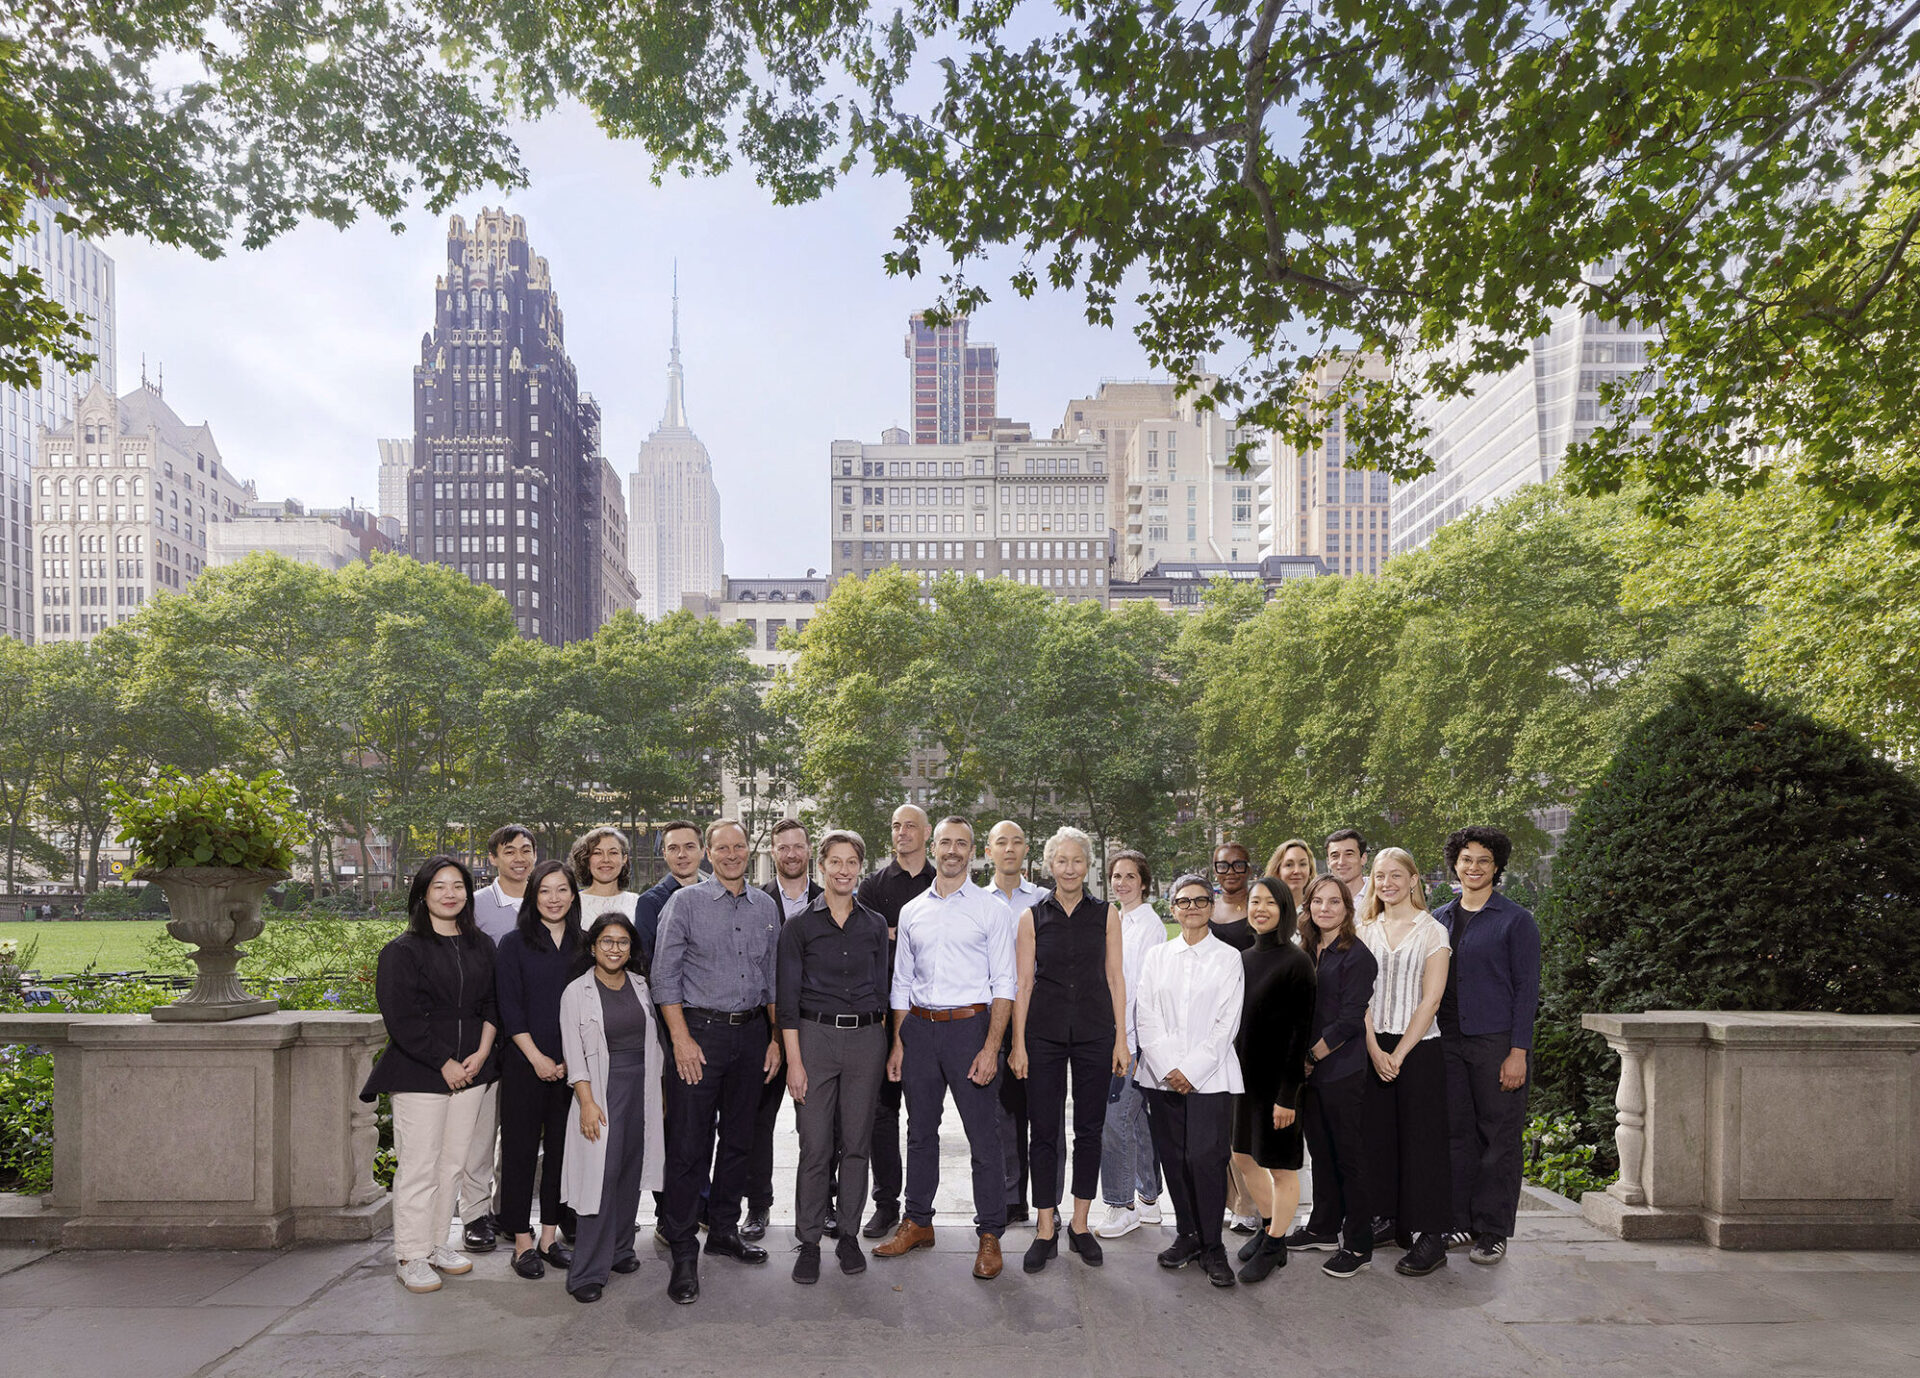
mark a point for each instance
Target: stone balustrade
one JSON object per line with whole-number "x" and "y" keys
{"x": 1763, "y": 1130}
{"x": 247, "y": 1134}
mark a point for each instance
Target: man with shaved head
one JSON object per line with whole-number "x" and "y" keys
{"x": 886, "y": 892}
{"x": 1007, "y": 850}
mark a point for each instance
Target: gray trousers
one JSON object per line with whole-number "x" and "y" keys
{"x": 606, "y": 1237}
{"x": 844, "y": 1070}
{"x": 1128, "y": 1164}
{"x": 1485, "y": 1126}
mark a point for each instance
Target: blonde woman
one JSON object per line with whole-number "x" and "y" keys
{"x": 1292, "y": 865}
{"x": 1070, "y": 1014}
{"x": 1406, "y": 1102}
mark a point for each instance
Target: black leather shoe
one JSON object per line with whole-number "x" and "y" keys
{"x": 559, "y": 1255}
{"x": 755, "y": 1225}
{"x": 806, "y": 1267}
{"x": 1087, "y": 1247}
{"x": 591, "y": 1292}
{"x": 1039, "y": 1252}
{"x": 831, "y": 1229}
{"x": 1219, "y": 1271}
{"x": 733, "y": 1246}
{"x": 528, "y": 1265}
{"x": 479, "y": 1237}
{"x": 629, "y": 1264}
{"x": 684, "y": 1286}
{"x": 881, "y": 1223}
{"x": 1429, "y": 1254}
{"x": 1184, "y": 1250}
{"x": 1018, "y": 1214}
{"x": 853, "y": 1258}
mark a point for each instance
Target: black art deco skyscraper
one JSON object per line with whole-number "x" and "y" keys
{"x": 505, "y": 483}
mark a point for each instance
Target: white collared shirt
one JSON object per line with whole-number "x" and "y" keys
{"x": 1141, "y": 931}
{"x": 1022, "y": 898}
{"x": 1187, "y": 1013}
{"x": 954, "y": 950}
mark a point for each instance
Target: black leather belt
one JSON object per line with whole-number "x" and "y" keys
{"x": 844, "y": 1021}
{"x": 723, "y": 1016}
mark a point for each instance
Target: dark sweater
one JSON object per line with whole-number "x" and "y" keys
{"x": 434, "y": 994}
{"x": 1276, "y": 1021}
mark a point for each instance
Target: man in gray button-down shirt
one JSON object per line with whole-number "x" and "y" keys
{"x": 713, "y": 981}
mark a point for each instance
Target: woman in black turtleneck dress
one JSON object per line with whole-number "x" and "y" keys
{"x": 1276, "y": 1025}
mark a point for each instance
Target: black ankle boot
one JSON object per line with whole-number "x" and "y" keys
{"x": 1252, "y": 1246}
{"x": 1271, "y": 1254}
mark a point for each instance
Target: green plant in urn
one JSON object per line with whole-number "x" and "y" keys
{"x": 215, "y": 843}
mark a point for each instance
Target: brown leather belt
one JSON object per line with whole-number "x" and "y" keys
{"x": 943, "y": 1016}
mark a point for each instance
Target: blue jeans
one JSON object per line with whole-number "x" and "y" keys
{"x": 1128, "y": 1165}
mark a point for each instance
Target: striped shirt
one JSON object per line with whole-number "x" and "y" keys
{"x": 1397, "y": 989}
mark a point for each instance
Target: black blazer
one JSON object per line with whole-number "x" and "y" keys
{"x": 434, "y": 994}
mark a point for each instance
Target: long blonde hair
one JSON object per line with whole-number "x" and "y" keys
{"x": 1375, "y": 906}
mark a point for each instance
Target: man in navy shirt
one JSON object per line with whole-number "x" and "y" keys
{"x": 681, "y": 846}
{"x": 1486, "y": 1029}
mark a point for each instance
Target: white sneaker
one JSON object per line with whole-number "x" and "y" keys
{"x": 416, "y": 1276}
{"x": 447, "y": 1261}
{"x": 1149, "y": 1211}
{"x": 1120, "y": 1220}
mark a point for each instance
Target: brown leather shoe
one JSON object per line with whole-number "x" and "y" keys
{"x": 905, "y": 1240}
{"x": 986, "y": 1263}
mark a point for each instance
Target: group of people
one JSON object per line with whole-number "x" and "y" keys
{"x": 556, "y": 1027}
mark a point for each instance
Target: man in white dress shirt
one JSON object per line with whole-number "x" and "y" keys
{"x": 1007, "y": 850}
{"x": 953, "y": 989}
{"x": 1186, "y": 1015}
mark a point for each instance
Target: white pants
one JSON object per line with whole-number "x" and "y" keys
{"x": 480, "y": 1171}
{"x": 431, "y": 1134}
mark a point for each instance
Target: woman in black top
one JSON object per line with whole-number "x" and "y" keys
{"x": 1070, "y": 1013}
{"x": 1272, "y": 1044}
{"x": 1330, "y": 1110}
{"x": 533, "y": 965}
{"x": 434, "y": 986}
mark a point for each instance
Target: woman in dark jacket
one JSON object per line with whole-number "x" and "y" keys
{"x": 535, "y": 962}
{"x": 1330, "y": 1110}
{"x": 434, "y": 985}
{"x": 1275, "y": 1025}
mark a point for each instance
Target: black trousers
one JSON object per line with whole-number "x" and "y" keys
{"x": 728, "y": 1093}
{"x": 533, "y": 1119}
{"x": 1486, "y": 1124}
{"x": 1411, "y": 1179}
{"x": 1331, "y": 1120}
{"x": 1192, "y": 1134}
{"x": 1049, "y": 1063}
{"x": 883, "y": 1155}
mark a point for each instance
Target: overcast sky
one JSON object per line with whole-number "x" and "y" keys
{"x": 301, "y": 356}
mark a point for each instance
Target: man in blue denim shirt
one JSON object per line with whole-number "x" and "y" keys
{"x": 1486, "y": 1028}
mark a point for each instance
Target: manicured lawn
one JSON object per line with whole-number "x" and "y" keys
{"x": 106, "y": 944}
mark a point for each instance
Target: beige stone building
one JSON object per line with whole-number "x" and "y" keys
{"x": 1323, "y": 505}
{"x": 125, "y": 497}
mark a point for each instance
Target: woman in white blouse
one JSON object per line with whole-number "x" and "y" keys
{"x": 600, "y": 863}
{"x": 1186, "y": 1014}
{"x": 1129, "y": 1170}
{"x": 1406, "y": 1101}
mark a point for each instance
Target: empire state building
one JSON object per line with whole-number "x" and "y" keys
{"x": 674, "y": 531}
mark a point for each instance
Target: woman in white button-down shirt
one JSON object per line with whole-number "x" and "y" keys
{"x": 1186, "y": 1014}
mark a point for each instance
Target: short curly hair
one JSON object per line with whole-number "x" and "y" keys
{"x": 1493, "y": 839}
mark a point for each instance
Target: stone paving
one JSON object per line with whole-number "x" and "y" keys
{"x": 1568, "y": 1300}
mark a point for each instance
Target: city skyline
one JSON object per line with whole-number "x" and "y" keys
{"x": 793, "y": 332}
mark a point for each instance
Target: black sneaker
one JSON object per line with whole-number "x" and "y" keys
{"x": 1304, "y": 1238}
{"x": 853, "y": 1258}
{"x": 1428, "y": 1254}
{"x": 806, "y": 1268}
{"x": 1383, "y": 1227}
{"x": 1458, "y": 1239}
{"x": 1488, "y": 1248}
{"x": 1184, "y": 1250}
{"x": 1219, "y": 1271}
{"x": 1345, "y": 1265}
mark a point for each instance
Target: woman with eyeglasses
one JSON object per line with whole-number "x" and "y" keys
{"x": 1187, "y": 1013}
{"x": 602, "y": 866}
{"x": 1231, "y": 869}
{"x": 535, "y": 962}
{"x": 615, "y": 1148}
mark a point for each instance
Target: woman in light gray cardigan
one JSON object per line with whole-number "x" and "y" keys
{"x": 615, "y": 1146}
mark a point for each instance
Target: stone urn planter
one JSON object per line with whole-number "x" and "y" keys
{"x": 214, "y": 908}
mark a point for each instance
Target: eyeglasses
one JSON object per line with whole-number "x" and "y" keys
{"x": 1230, "y": 868}
{"x": 614, "y": 944}
{"x": 1193, "y": 902}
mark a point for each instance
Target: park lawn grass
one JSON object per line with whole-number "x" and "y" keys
{"x": 105, "y": 944}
